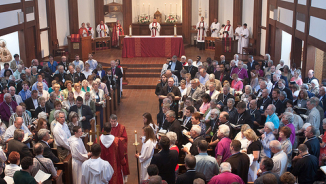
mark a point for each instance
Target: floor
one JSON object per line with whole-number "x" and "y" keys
{"x": 135, "y": 102}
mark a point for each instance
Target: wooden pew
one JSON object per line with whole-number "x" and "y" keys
{"x": 98, "y": 118}
{"x": 108, "y": 111}
{"x": 59, "y": 179}
{"x": 66, "y": 167}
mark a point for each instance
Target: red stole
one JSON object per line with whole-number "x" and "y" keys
{"x": 227, "y": 48}
{"x": 154, "y": 31}
{"x": 81, "y": 31}
{"x": 201, "y": 30}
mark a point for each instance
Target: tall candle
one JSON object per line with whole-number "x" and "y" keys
{"x": 175, "y": 30}
{"x": 90, "y": 136}
{"x": 130, "y": 33}
{"x": 136, "y": 137}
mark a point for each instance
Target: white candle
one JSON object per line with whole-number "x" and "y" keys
{"x": 175, "y": 30}
{"x": 90, "y": 136}
{"x": 130, "y": 33}
{"x": 136, "y": 137}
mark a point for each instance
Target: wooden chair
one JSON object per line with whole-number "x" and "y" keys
{"x": 251, "y": 47}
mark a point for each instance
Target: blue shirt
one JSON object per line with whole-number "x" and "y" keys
{"x": 45, "y": 87}
{"x": 265, "y": 142}
{"x": 274, "y": 119}
{"x": 25, "y": 94}
{"x": 53, "y": 67}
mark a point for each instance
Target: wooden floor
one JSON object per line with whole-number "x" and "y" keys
{"x": 135, "y": 102}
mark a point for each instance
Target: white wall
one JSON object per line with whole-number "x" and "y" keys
{"x": 9, "y": 18}
{"x": 303, "y": 2}
{"x": 86, "y": 12}
{"x": 43, "y": 14}
{"x": 286, "y": 47}
{"x": 318, "y": 4}
{"x": 263, "y": 23}
{"x": 44, "y": 44}
{"x": 317, "y": 28}
{"x": 225, "y": 11}
{"x": 291, "y": 1}
{"x": 300, "y": 26}
{"x": 62, "y": 21}
{"x": 149, "y": 7}
{"x": 248, "y": 14}
{"x": 2, "y": 2}
{"x": 12, "y": 43}
{"x": 285, "y": 16}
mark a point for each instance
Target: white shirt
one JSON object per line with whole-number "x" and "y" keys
{"x": 44, "y": 94}
{"x": 203, "y": 80}
{"x": 87, "y": 73}
{"x": 35, "y": 102}
{"x": 280, "y": 163}
{"x": 61, "y": 135}
{"x": 10, "y": 169}
{"x": 96, "y": 171}
{"x": 11, "y": 129}
{"x": 79, "y": 63}
{"x": 92, "y": 64}
{"x": 81, "y": 94}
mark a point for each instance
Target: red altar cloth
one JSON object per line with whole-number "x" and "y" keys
{"x": 146, "y": 46}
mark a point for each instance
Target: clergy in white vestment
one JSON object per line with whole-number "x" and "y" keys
{"x": 155, "y": 28}
{"x": 237, "y": 34}
{"x": 95, "y": 170}
{"x": 215, "y": 28}
{"x": 228, "y": 30}
{"x": 90, "y": 30}
{"x": 244, "y": 37}
{"x": 79, "y": 154}
{"x": 221, "y": 31}
{"x": 102, "y": 30}
{"x": 202, "y": 28}
{"x": 61, "y": 135}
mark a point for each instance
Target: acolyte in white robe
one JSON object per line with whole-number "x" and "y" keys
{"x": 237, "y": 33}
{"x": 79, "y": 155}
{"x": 96, "y": 171}
{"x": 155, "y": 32}
{"x": 101, "y": 30}
{"x": 201, "y": 32}
{"x": 244, "y": 38}
{"x": 216, "y": 26}
{"x": 90, "y": 32}
{"x": 221, "y": 33}
{"x": 146, "y": 154}
{"x": 229, "y": 29}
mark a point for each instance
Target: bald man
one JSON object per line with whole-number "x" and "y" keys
{"x": 20, "y": 113}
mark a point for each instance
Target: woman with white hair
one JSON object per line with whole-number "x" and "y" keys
{"x": 173, "y": 138}
{"x": 245, "y": 95}
{"x": 281, "y": 65}
{"x": 266, "y": 138}
{"x": 97, "y": 95}
{"x": 314, "y": 87}
{"x": 85, "y": 88}
{"x": 212, "y": 80}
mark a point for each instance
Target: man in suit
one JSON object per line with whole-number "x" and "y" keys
{"x": 170, "y": 88}
{"x": 186, "y": 123}
{"x": 49, "y": 105}
{"x": 116, "y": 75}
{"x": 83, "y": 111}
{"x": 281, "y": 85}
{"x": 166, "y": 160}
{"x": 242, "y": 117}
{"x": 266, "y": 165}
{"x": 251, "y": 65}
{"x": 222, "y": 75}
{"x": 17, "y": 145}
{"x": 322, "y": 97}
{"x": 195, "y": 92}
{"x": 239, "y": 161}
{"x": 223, "y": 97}
{"x": 195, "y": 133}
{"x": 310, "y": 77}
{"x": 71, "y": 75}
{"x": 81, "y": 76}
{"x": 191, "y": 68}
{"x": 61, "y": 76}
{"x": 214, "y": 67}
{"x": 64, "y": 63}
{"x": 7, "y": 108}
{"x": 161, "y": 118}
{"x": 16, "y": 98}
{"x": 175, "y": 66}
{"x": 14, "y": 63}
{"x": 32, "y": 102}
{"x": 191, "y": 174}
{"x": 264, "y": 101}
{"x": 44, "y": 137}
{"x": 175, "y": 125}
{"x": 277, "y": 102}
{"x": 255, "y": 114}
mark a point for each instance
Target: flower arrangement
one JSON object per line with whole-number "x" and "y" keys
{"x": 171, "y": 19}
{"x": 143, "y": 18}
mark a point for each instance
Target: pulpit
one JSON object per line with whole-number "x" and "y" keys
{"x": 225, "y": 47}
{"x": 82, "y": 47}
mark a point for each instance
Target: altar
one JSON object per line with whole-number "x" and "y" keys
{"x": 147, "y": 46}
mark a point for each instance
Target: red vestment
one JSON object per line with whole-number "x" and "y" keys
{"x": 115, "y": 38}
{"x": 120, "y": 131}
{"x": 81, "y": 32}
{"x": 115, "y": 156}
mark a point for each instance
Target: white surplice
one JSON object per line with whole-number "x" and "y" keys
{"x": 201, "y": 32}
{"x": 79, "y": 155}
{"x": 215, "y": 26}
{"x": 101, "y": 32}
{"x": 229, "y": 29}
{"x": 90, "y": 31}
{"x": 244, "y": 39}
{"x": 237, "y": 33}
{"x": 97, "y": 171}
{"x": 155, "y": 32}
{"x": 146, "y": 154}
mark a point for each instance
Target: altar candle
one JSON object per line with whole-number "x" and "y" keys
{"x": 130, "y": 33}
{"x": 175, "y": 30}
{"x": 136, "y": 137}
{"x": 90, "y": 136}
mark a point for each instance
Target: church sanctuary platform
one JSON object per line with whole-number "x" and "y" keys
{"x": 147, "y": 46}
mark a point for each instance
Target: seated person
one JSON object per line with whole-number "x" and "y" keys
{"x": 18, "y": 124}
{"x": 195, "y": 138}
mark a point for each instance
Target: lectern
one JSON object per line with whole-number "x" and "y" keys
{"x": 225, "y": 47}
{"x": 82, "y": 48}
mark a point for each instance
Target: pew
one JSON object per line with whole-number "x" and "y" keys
{"x": 59, "y": 179}
{"x": 66, "y": 167}
{"x": 108, "y": 111}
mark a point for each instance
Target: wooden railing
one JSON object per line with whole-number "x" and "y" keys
{"x": 66, "y": 167}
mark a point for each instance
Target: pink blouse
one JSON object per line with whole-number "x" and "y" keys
{"x": 203, "y": 108}
{"x": 298, "y": 81}
{"x": 237, "y": 86}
